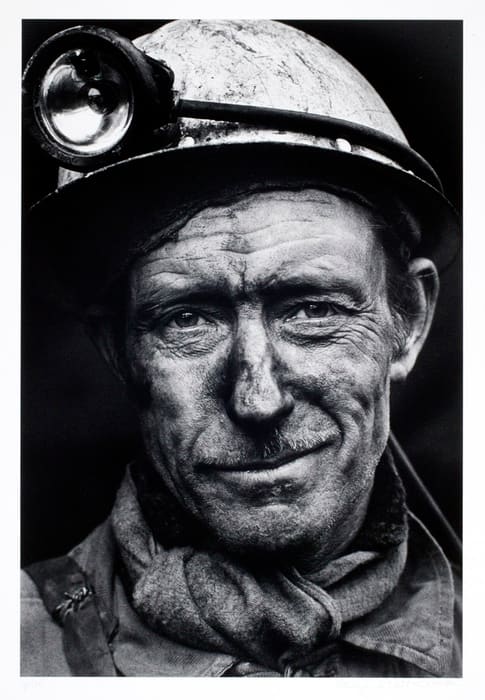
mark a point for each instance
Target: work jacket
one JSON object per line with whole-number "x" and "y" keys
{"x": 414, "y": 632}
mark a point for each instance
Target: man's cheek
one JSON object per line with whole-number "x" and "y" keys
{"x": 349, "y": 384}
{"x": 177, "y": 392}
{"x": 344, "y": 372}
{"x": 360, "y": 395}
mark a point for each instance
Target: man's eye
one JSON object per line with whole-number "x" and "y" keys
{"x": 314, "y": 310}
{"x": 186, "y": 319}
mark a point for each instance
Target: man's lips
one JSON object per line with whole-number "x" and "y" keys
{"x": 282, "y": 458}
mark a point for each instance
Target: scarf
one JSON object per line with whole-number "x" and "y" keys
{"x": 211, "y": 600}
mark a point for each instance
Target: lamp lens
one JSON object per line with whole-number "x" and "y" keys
{"x": 85, "y": 102}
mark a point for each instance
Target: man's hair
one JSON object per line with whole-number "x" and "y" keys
{"x": 395, "y": 230}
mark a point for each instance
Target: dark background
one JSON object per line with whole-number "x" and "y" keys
{"x": 78, "y": 428}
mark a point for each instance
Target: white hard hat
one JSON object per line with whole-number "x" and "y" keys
{"x": 97, "y": 221}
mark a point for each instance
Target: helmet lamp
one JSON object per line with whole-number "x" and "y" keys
{"x": 90, "y": 96}
{"x": 85, "y": 102}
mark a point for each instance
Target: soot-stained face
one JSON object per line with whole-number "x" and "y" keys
{"x": 263, "y": 340}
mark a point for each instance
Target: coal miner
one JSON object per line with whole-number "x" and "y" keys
{"x": 253, "y": 247}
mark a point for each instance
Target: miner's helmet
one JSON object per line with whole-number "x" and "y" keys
{"x": 149, "y": 132}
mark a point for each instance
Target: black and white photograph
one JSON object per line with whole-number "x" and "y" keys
{"x": 241, "y": 371}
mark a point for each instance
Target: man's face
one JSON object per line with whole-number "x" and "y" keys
{"x": 261, "y": 340}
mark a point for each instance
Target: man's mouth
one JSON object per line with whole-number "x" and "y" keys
{"x": 264, "y": 464}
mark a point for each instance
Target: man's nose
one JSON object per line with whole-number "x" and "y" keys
{"x": 258, "y": 396}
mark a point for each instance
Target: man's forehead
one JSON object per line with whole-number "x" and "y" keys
{"x": 262, "y": 207}
{"x": 247, "y": 223}
{"x": 256, "y": 240}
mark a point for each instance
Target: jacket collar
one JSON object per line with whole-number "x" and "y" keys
{"x": 415, "y": 624}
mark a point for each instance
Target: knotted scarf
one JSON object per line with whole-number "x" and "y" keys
{"x": 210, "y": 600}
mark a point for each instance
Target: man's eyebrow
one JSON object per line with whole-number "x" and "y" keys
{"x": 281, "y": 288}
{"x": 148, "y": 309}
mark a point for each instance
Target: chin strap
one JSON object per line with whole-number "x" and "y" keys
{"x": 424, "y": 504}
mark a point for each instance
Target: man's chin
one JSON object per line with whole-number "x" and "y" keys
{"x": 276, "y": 532}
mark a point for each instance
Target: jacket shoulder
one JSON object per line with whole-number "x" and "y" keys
{"x": 41, "y": 649}
{"x": 41, "y": 640}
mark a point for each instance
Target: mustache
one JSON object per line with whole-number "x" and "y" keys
{"x": 263, "y": 447}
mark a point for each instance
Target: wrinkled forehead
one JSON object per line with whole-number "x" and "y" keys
{"x": 258, "y": 211}
{"x": 242, "y": 219}
{"x": 263, "y": 234}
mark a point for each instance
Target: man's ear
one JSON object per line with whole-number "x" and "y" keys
{"x": 105, "y": 332}
{"x": 425, "y": 278}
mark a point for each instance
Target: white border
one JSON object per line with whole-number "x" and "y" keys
{"x": 473, "y": 684}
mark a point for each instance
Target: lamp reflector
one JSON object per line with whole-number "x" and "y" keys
{"x": 85, "y": 102}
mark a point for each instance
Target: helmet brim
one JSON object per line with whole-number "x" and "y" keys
{"x": 87, "y": 233}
